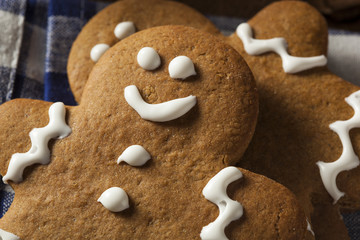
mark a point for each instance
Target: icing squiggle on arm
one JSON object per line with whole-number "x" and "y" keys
{"x": 348, "y": 159}
{"x": 291, "y": 64}
{"x": 7, "y": 236}
{"x": 230, "y": 210}
{"x": 161, "y": 112}
{"x": 40, "y": 137}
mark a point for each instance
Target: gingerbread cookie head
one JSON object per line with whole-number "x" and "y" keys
{"x": 118, "y": 21}
{"x": 299, "y": 141}
{"x": 149, "y": 150}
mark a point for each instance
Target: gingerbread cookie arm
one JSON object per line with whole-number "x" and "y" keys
{"x": 24, "y": 118}
{"x": 304, "y": 38}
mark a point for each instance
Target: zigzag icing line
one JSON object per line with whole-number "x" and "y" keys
{"x": 290, "y": 64}
{"x": 230, "y": 210}
{"x": 40, "y": 137}
{"x": 348, "y": 159}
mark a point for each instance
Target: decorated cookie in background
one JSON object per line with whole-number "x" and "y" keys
{"x": 306, "y": 113}
{"x": 147, "y": 152}
{"x": 118, "y": 21}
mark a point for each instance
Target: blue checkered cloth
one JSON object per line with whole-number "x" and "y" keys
{"x": 36, "y": 37}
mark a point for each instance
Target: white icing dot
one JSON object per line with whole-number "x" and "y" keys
{"x": 181, "y": 67}
{"x": 98, "y": 50}
{"x": 124, "y": 29}
{"x": 134, "y": 155}
{"x": 114, "y": 199}
{"x": 160, "y": 112}
{"x": 148, "y": 58}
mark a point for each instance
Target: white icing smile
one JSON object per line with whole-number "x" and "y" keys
{"x": 40, "y": 137}
{"x": 160, "y": 112}
{"x": 290, "y": 64}
{"x": 348, "y": 159}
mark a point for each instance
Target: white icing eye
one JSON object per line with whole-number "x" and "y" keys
{"x": 114, "y": 199}
{"x": 98, "y": 50}
{"x": 148, "y": 58}
{"x": 181, "y": 67}
{"x": 124, "y": 29}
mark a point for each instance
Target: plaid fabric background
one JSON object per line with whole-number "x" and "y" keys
{"x": 36, "y": 37}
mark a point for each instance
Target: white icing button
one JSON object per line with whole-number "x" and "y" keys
{"x": 124, "y": 29}
{"x": 148, "y": 58}
{"x": 181, "y": 67}
{"x": 114, "y": 199}
{"x": 7, "y": 236}
{"x": 348, "y": 159}
{"x": 291, "y": 64}
{"x": 160, "y": 112}
{"x": 40, "y": 137}
{"x": 134, "y": 155}
{"x": 98, "y": 50}
{"x": 230, "y": 210}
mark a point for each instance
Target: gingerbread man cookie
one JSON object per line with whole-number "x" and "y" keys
{"x": 306, "y": 113}
{"x": 147, "y": 153}
{"x": 118, "y": 21}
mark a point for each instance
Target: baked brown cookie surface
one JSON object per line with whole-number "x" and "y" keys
{"x": 296, "y": 134}
{"x": 123, "y": 18}
{"x": 171, "y": 157}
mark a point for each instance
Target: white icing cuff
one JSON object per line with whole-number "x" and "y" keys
{"x": 348, "y": 159}
{"x": 181, "y": 67}
{"x": 230, "y": 210}
{"x": 98, "y": 50}
{"x": 40, "y": 137}
{"x": 290, "y": 64}
{"x": 8, "y": 236}
{"x": 134, "y": 155}
{"x": 161, "y": 112}
{"x": 114, "y": 199}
